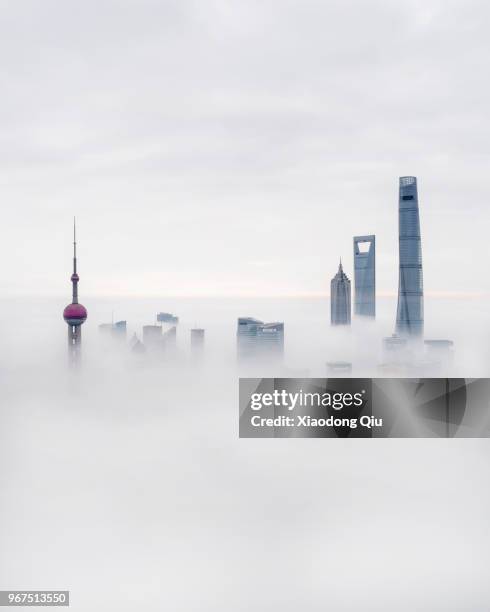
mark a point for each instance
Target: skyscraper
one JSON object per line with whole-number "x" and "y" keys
{"x": 197, "y": 339}
{"x": 258, "y": 339}
{"x": 246, "y": 336}
{"x": 153, "y": 337}
{"x": 410, "y": 311}
{"x": 365, "y": 276}
{"x": 170, "y": 338}
{"x": 167, "y": 317}
{"x": 270, "y": 338}
{"x": 197, "y": 343}
{"x": 74, "y": 314}
{"x": 119, "y": 330}
{"x": 115, "y": 330}
{"x": 340, "y": 298}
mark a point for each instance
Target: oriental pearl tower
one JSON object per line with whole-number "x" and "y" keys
{"x": 74, "y": 314}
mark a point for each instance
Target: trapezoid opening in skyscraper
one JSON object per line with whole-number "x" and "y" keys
{"x": 365, "y": 276}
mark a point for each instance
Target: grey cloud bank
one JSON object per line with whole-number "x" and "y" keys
{"x": 126, "y": 482}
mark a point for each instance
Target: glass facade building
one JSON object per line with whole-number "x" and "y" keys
{"x": 258, "y": 339}
{"x": 167, "y": 317}
{"x": 340, "y": 301}
{"x": 410, "y": 311}
{"x": 365, "y": 276}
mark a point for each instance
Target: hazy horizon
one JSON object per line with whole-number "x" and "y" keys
{"x": 320, "y": 295}
{"x": 310, "y": 340}
{"x": 124, "y": 480}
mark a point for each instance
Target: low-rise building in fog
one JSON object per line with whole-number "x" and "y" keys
{"x": 136, "y": 346}
{"x": 167, "y": 317}
{"x": 197, "y": 339}
{"x": 339, "y": 368}
{"x": 116, "y": 331}
{"x": 119, "y": 329}
{"x": 158, "y": 339}
{"x": 411, "y": 368}
{"x": 153, "y": 337}
{"x": 197, "y": 343}
{"x": 441, "y": 352}
{"x": 439, "y": 346}
{"x": 170, "y": 338}
{"x": 256, "y": 339}
{"x": 395, "y": 350}
{"x": 394, "y": 344}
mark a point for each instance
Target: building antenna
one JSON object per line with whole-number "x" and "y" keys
{"x": 74, "y": 246}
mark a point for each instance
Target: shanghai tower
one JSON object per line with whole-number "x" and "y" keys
{"x": 410, "y": 311}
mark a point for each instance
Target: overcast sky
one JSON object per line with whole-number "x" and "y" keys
{"x": 235, "y": 147}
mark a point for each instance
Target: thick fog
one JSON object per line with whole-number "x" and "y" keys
{"x": 125, "y": 480}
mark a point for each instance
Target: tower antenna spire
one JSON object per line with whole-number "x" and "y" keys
{"x": 74, "y": 277}
{"x": 74, "y": 246}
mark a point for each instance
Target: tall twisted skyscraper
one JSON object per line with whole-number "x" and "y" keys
{"x": 340, "y": 298}
{"x": 410, "y": 311}
{"x": 74, "y": 314}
